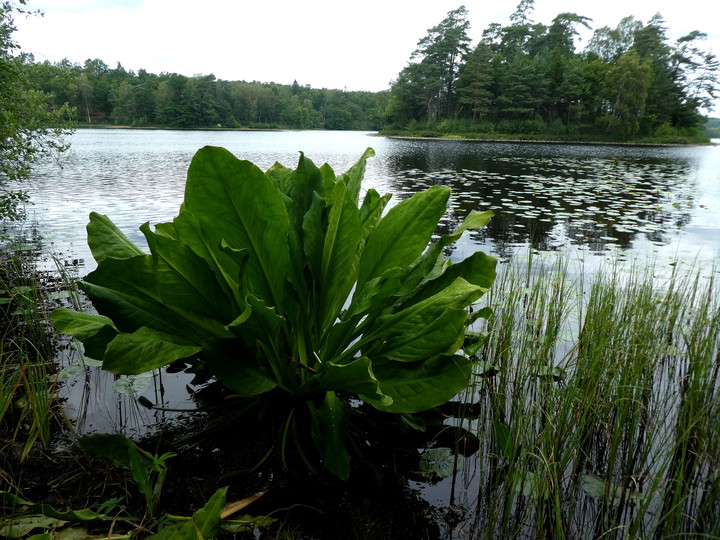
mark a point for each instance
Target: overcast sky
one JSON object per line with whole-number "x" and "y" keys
{"x": 357, "y": 45}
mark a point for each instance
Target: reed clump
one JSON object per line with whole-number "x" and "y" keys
{"x": 29, "y": 404}
{"x": 600, "y": 405}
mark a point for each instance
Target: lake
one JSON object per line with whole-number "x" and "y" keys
{"x": 595, "y": 202}
{"x": 598, "y": 201}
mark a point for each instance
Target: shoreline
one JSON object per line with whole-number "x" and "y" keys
{"x": 543, "y": 141}
{"x": 414, "y": 137}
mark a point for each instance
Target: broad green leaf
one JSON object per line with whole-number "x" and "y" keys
{"x": 300, "y": 186}
{"x": 375, "y": 294}
{"x": 505, "y": 440}
{"x": 278, "y": 173}
{"x": 340, "y": 256}
{"x": 22, "y": 526}
{"x": 205, "y": 523}
{"x": 82, "y": 535}
{"x": 126, "y": 290}
{"x": 115, "y": 447}
{"x": 478, "y": 269}
{"x": 184, "y": 280}
{"x": 140, "y": 471}
{"x": 314, "y": 236}
{"x": 426, "y": 267}
{"x": 9, "y": 504}
{"x": 94, "y": 331}
{"x": 356, "y": 377}
{"x": 329, "y": 179}
{"x": 263, "y": 325}
{"x": 78, "y": 324}
{"x": 403, "y": 234}
{"x": 427, "y": 333}
{"x": 371, "y": 211}
{"x": 420, "y": 386}
{"x": 474, "y": 220}
{"x": 329, "y": 426}
{"x": 144, "y": 350}
{"x": 354, "y": 176}
{"x": 425, "y": 329}
{"x": 237, "y": 367}
{"x": 107, "y": 241}
{"x": 235, "y": 201}
{"x": 372, "y": 299}
{"x": 220, "y": 257}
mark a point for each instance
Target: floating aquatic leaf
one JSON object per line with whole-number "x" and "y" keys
{"x": 69, "y": 373}
{"x": 598, "y": 489}
{"x": 91, "y": 362}
{"x": 529, "y": 484}
{"x": 132, "y": 385}
{"x": 440, "y": 462}
{"x": 59, "y": 295}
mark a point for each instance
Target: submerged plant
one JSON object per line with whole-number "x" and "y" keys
{"x": 283, "y": 281}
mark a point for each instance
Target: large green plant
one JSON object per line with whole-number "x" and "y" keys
{"x": 282, "y": 280}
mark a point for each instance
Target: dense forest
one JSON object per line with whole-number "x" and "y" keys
{"x": 527, "y": 78}
{"x": 101, "y": 94}
{"x": 712, "y": 128}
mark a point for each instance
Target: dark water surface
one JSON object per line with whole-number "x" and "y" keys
{"x": 598, "y": 202}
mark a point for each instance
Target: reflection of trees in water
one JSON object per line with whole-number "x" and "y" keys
{"x": 582, "y": 195}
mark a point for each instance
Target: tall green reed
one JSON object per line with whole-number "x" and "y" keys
{"x": 28, "y": 390}
{"x": 599, "y": 404}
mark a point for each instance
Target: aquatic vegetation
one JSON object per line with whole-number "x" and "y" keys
{"x": 28, "y": 390}
{"x": 148, "y": 470}
{"x": 600, "y": 414}
{"x": 283, "y": 282}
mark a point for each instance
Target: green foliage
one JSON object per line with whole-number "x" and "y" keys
{"x": 712, "y": 128}
{"x": 104, "y": 95}
{"x": 283, "y": 280}
{"x": 29, "y": 127}
{"x": 598, "y": 404}
{"x": 627, "y": 83}
{"x": 28, "y": 391}
{"x": 148, "y": 470}
{"x": 19, "y": 517}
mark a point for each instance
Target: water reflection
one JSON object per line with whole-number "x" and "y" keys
{"x": 601, "y": 198}
{"x": 594, "y": 198}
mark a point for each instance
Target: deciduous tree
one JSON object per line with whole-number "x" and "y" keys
{"x": 29, "y": 128}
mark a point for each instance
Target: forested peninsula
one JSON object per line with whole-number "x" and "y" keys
{"x": 523, "y": 80}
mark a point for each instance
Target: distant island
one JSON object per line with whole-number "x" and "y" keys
{"x": 526, "y": 80}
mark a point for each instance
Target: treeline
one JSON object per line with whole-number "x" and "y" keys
{"x": 712, "y": 128}
{"x": 101, "y": 94}
{"x": 527, "y": 78}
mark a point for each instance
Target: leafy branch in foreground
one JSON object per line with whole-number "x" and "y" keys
{"x": 29, "y": 128}
{"x": 283, "y": 281}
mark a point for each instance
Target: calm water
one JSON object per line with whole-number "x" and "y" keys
{"x": 593, "y": 199}
{"x": 598, "y": 202}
